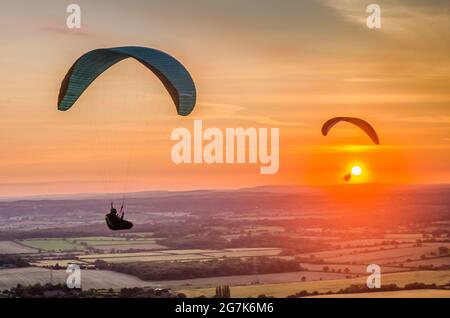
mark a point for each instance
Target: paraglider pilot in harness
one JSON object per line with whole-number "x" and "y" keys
{"x": 91, "y": 65}
{"x": 347, "y": 177}
{"x": 115, "y": 222}
{"x": 114, "y": 211}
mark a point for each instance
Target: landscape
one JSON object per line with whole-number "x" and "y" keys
{"x": 273, "y": 241}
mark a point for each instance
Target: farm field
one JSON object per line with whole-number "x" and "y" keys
{"x": 90, "y": 278}
{"x": 354, "y": 269}
{"x": 385, "y": 254}
{"x": 102, "y": 241}
{"x": 397, "y": 255}
{"x": 244, "y": 253}
{"x": 155, "y": 258}
{"x": 10, "y": 247}
{"x": 432, "y": 261}
{"x": 402, "y": 236}
{"x": 178, "y": 255}
{"x": 254, "y": 230}
{"x": 192, "y": 251}
{"x": 62, "y": 263}
{"x": 328, "y": 239}
{"x": 334, "y": 253}
{"x": 368, "y": 242}
{"x": 126, "y": 247}
{"x": 286, "y": 289}
{"x": 97, "y": 238}
{"x": 99, "y": 243}
{"x": 53, "y": 245}
{"x": 250, "y": 279}
{"x": 421, "y": 293}
{"x": 300, "y": 242}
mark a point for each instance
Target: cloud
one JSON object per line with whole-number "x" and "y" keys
{"x": 373, "y": 148}
{"x": 421, "y": 119}
{"x": 64, "y": 31}
{"x": 400, "y": 15}
{"x": 222, "y": 111}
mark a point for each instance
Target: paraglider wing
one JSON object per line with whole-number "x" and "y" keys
{"x": 88, "y": 67}
{"x": 364, "y": 125}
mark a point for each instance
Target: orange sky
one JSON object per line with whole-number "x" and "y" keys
{"x": 287, "y": 64}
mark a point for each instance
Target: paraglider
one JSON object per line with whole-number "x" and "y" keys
{"x": 88, "y": 67}
{"x": 116, "y": 222}
{"x": 364, "y": 125}
{"x": 174, "y": 76}
{"x": 347, "y": 177}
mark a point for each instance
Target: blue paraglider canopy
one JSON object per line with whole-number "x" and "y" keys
{"x": 88, "y": 67}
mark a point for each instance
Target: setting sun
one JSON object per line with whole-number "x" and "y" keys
{"x": 356, "y": 170}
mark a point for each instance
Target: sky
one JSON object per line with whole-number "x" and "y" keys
{"x": 256, "y": 63}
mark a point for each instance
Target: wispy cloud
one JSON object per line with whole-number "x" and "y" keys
{"x": 420, "y": 119}
{"x": 231, "y": 111}
{"x": 64, "y": 31}
{"x": 373, "y": 148}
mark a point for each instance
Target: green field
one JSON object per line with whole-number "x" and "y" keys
{"x": 10, "y": 247}
{"x": 101, "y": 242}
{"x": 53, "y": 245}
{"x": 179, "y": 255}
{"x": 61, "y": 263}
{"x": 286, "y": 289}
{"x": 105, "y": 240}
{"x": 97, "y": 238}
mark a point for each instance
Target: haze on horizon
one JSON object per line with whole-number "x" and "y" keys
{"x": 262, "y": 63}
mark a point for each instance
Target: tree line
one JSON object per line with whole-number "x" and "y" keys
{"x": 201, "y": 269}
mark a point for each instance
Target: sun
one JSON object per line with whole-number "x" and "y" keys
{"x": 356, "y": 170}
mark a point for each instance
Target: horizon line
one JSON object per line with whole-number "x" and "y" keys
{"x": 84, "y": 195}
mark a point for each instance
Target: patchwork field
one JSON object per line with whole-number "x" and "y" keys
{"x": 328, "y": 231}
{"x": 383, "y": 255}
{"x": 102, "y": 243}
{"x": 342, "y": 252}
{"x": 368, "y": 242}
{"x": 404, "y": 236}
{"x": 53, "y": 245}
{"x": 433, "y": 261}
{"x": 10, "y": 247}
{"x": 125, "y": 247}
{"x": 179, "y": 255}
{"x": 250, "y": 279}
{"x": 89, "y": 278}
{"x": 155, "y": 258}
{"x": 286, "y": 289}
{"x": 244, "y": 253}
{"x": 62, "y": 263}
{"x": 354, "y": 269}
{"x": 111, "y": 241}
{"x": 254, "y": 230}
{"x": 390, "y": 256}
